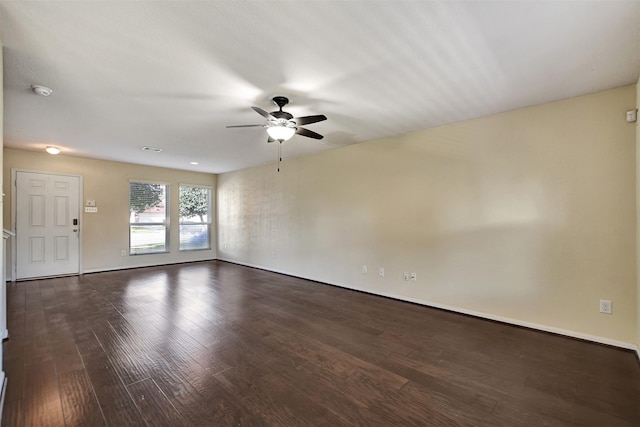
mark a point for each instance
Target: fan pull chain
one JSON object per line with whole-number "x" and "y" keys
{"x": 279, "y": 154}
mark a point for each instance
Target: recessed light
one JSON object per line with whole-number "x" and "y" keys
{"x": 194, "y": 163}
{"x": 41, "y": 90}
{"x": 52, "y": 150}
{"x": 155, "y": 150}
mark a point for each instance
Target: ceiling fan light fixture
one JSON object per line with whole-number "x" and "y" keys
{"x": 281, "y": 125}
{"x": 281, "y": 132}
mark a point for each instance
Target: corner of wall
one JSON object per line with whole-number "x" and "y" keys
{"x": 638, "y": 222}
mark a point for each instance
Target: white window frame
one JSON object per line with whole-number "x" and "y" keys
{"x": 166, "y": 223}
{"x": 208, "y": 223}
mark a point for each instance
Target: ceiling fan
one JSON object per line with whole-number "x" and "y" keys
{"x": 281, "y": 125}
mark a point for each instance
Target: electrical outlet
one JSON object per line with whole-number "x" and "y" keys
{"x": 414, "y": 277}
{"x": 405, "y": 276}
{"x": 605, "y": 306}
{"x": 364, "y": 269}
{"x": 123, "y": 253}
{"x": 381, "y": 272}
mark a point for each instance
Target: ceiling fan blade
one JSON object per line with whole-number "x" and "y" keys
{"x": 245, "y": 126}
{"x": 262, "y": 113}
{"x": 308, "y": 133}
{"x": 306, "y": 120}
{"x": 270, "y": 139}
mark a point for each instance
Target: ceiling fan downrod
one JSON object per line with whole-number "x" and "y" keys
{"x": 280, "y": 101}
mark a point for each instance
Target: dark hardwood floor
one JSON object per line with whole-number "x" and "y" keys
{"x": 216, "y": 344}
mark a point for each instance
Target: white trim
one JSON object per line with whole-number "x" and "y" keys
{"x": 210, "y": 187}
{"x": 144, "y": 181}
{"x": 4, "y": 394}
{"x": 130, "y": 267}
{"x": 508, "y": 320}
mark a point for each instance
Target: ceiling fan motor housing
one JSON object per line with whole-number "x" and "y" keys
{"x": 282, "y": 115}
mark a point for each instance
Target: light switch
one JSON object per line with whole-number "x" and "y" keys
{"x": 89, "y": 209}
{"x": 91, "y": 202}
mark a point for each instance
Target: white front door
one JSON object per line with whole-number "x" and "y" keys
{"x": 47, "y": 225}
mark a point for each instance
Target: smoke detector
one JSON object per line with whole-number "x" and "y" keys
{"x": 153, "y": 149}
{"x": 41, "y": 90}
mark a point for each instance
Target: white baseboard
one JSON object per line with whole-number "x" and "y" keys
{"x": 516, "y": 322}
{"x": 156, "y": 264}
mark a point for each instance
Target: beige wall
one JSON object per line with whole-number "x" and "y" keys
{"x": 105, "y": 234}
{"x": 2, "y": 199}
{"x": 527, "y": 216}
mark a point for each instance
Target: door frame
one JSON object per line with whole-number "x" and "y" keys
{"x": 14, "y": 215}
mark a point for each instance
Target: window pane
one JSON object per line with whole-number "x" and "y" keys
{"x": 148, "y": 239}
{"x": 147, "y": 218}
{"x": 147, "y": 203}
{"x": 194, "y": 204}
{"x": 194, "y": 236}
{"x": 195, "y": 216}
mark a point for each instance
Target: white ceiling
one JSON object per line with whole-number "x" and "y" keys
{"x": 173, "y": 74}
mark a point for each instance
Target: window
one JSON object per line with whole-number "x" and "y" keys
{"x": 148, "y": 218}
{"x": 195, "y": 217}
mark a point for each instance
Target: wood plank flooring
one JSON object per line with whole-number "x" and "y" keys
{"x": 217, "y": 344}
